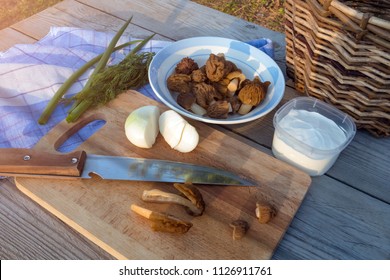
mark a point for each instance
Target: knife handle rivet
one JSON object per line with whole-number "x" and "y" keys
{"x": 74, "y": 160}
{"x": 26, "y": 157}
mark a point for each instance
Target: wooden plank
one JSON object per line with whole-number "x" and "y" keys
{"x": 27, "y": 231}
{"x": 365, "y": 165}
{"x": 74, "y": 14}
{"x": 183, "y": 19}
{"x": 337, "y": 222}
{"x": 11, "y": 37}
{"x": 110, "y": 17}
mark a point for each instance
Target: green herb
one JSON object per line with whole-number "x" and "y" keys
{"x": 130, "y": 73}
{"x": 57, "y": 98}
{"x": 93, "y": 91}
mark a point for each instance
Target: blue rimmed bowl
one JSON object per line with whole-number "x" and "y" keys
{"x": 249, "y": 59}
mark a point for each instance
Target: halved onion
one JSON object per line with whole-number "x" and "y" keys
{"x": 141, "y": 126}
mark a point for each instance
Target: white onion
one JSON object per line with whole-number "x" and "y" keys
{"x": 141, "y": 126}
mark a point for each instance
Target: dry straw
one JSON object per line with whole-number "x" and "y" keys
{"x": 339, "y": 52}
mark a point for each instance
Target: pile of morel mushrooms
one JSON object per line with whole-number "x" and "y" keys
{"x": 216, "y": 89}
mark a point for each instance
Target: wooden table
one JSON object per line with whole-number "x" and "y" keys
{"x": 345, "y": 215}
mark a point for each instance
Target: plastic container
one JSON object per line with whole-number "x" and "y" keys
{"x": 310, "y": 134}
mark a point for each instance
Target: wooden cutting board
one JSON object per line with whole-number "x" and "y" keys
{"x": 100, "y": 210}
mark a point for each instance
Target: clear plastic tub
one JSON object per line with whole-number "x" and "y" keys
{"x": 310, "y": 134}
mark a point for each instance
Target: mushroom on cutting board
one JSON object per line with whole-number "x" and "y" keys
{"x": 194, "y": 206}
{"x": 162, "y": 221}
{"x": 240, "y": 227}
{"x": 264, "y": 212}
{"x": 194, "y": 195}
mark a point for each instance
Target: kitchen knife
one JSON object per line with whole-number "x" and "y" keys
{"x": 79, "y": 164}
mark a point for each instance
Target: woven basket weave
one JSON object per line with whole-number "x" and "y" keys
{"x": 339, "y": 52}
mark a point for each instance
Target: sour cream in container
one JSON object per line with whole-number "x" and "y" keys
{"x": 310, "y": 134}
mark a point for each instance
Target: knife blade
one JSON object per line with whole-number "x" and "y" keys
{"x": 79, "y": 164}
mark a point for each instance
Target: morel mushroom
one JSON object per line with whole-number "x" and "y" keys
{"x": 235, "y": 79}
{"x": 205, "y": 94}
{"x": 188, "y": 102}
{"x": 186, "y": 66}
{"x": 162, "y": 221}
{"x": 251, "y": 94}
{"x": 230, "y": 66}
{"x": 159, "y": 196}
{"x": 240, "y": 227}
{"x": 198, "y": 75}
{"x": 218, "y": 109}
{"x": 235, "y": 104}
{"x": 221, "y": 87}
{"x": 179, "y": 83}
{"x": 193, "y": 195}
{"x": 264, "y": 212}
{"x": 215, "y": 67}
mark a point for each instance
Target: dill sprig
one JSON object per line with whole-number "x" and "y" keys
{"x": 105, "y": 85}
{"x": 131, "y": 73}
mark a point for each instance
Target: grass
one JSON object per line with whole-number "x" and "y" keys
{"x": 267, "y": 13}
{"x": 12, "y": 11}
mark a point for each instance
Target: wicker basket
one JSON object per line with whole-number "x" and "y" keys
{"x": 339, "y": 52}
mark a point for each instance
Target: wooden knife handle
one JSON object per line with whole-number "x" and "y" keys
{"x": 33, "y": 162}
